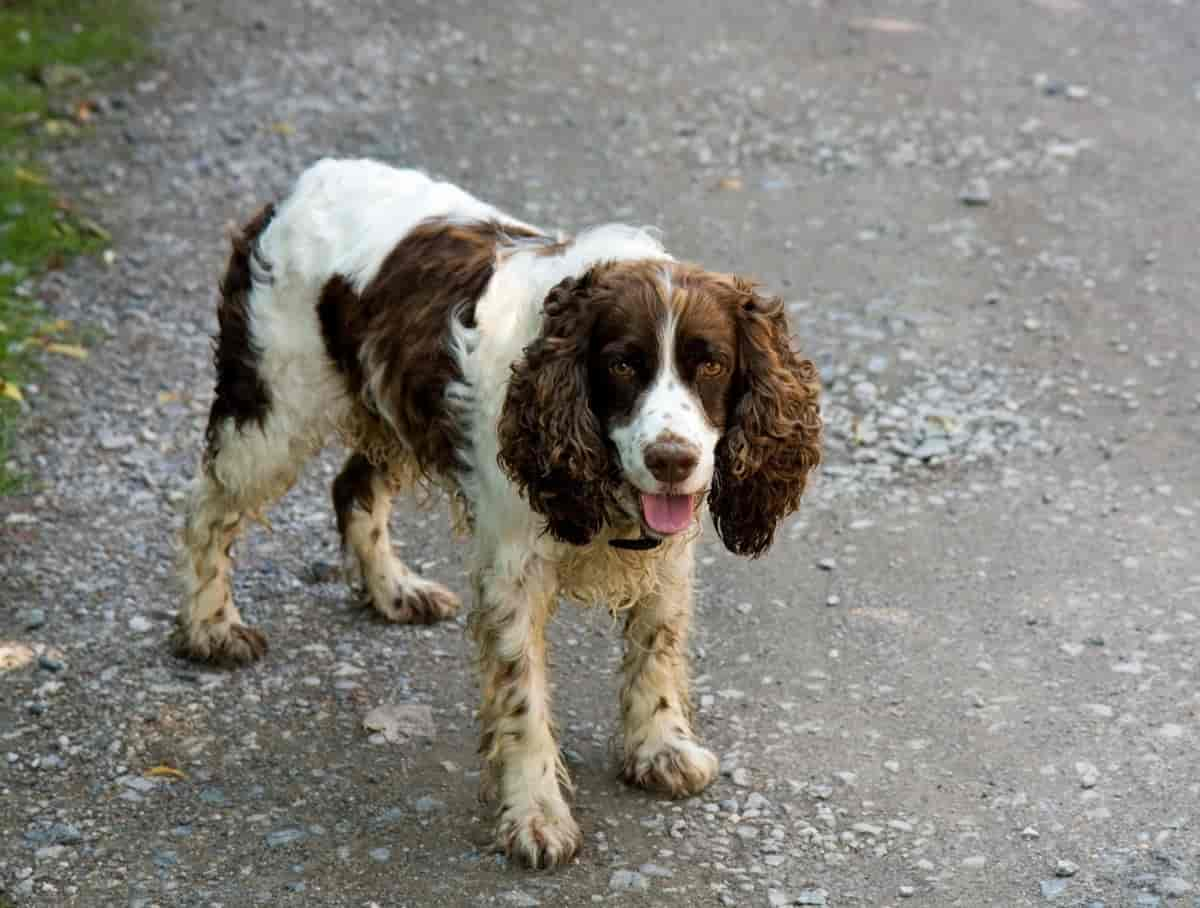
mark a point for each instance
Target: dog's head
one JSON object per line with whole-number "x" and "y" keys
{"x": 652, "y": 385}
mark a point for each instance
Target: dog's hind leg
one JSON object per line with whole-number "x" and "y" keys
{"x": 257, "y": 439}
{"x": 362, "y": 499}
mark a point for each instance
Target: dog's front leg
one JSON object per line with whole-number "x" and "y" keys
{"x": 522, "y": 763}
{"x": 660, "y": 749}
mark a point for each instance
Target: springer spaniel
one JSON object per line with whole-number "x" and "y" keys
{"x": 580, "y": 401}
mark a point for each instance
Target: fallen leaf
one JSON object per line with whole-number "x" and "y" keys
{"x": 166, "y": 397}
{"x": 72, "y": 350}
{"x": 14, "y": 655}
{"x": 55, "y": 327}
{"x": 283, "y": 128}
{"x": 886, "y": 25}
{"x": 28, "y": 176}
{"x": 90, "y": 226}
{"x": 730, "y": 184}
{"x": 11, "y": 391}
{"x": 163, "y": 771}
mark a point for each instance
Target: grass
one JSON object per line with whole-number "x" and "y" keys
{"x": 51, "y": 53}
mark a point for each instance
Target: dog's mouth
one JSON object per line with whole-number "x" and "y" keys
{"x": 668, "y": 514}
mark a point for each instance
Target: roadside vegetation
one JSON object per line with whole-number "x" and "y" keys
{"x": 53, "y": 54}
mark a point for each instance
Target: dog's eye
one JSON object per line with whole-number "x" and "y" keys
{"x": 621, "y": 368}
{"x": 711, "y": 368}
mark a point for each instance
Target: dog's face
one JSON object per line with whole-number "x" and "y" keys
{"x": 655, "y": 384}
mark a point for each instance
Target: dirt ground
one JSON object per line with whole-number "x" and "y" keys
{"x": 967, "y": 672}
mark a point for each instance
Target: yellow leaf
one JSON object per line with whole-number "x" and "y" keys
{"x": 28, "y": 176}
{"x": 55, "y": 327}
{"x": 283, "y": 128}
{"x": 166, "y": 397}
{"x": 163, "y": 771}
{"x": 885, "y": 24}
{"x": 11, "y": 391}
{"x": 73, "y": 350}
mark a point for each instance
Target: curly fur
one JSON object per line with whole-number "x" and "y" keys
{"x": 551, "y": 443}
{"x": 773, "y": 440}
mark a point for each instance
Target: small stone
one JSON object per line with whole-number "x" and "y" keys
{"x": 827, "y": 564}
{"x": 846, "y": 778}
{"x": 931, "y": 448}
{"x": 400, "y": 720}
{"x": 33, "y": 618}
{"x": 212, "y": 796}
{"x": 1030, "y": 833}
{"x": 656, "y": 870}
{"x": 975, "y": 861}
{"x": 112, "y": 441}
{"x": 519, "y": 899}
{"x": 741, "y": 777}
{"x": 812, "y": 897}
{"x": 1088, "y": 774}
{"x": 877, "y": 364}
{"x": 757, "y": 802}
{"x": 833, "y": 600}
{"x": 1052, "y": 889}
{"x": 1066, "y": 868}
{"x": 380, "y": 855}
{"x": 628, "y": 881}
{"x": 1173, "y": 887}
{"x": 65, "y": 834}
{"x": 139, "y": 624}
{"x": 907, "y": 892}
{"x": 281, "y": 837}
{"x": 976, "y": 192}
{"x": 427, "y": 804}
{"x": 50, "y": 664}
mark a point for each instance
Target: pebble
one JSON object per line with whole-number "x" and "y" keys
{"x": 907, "y": 892}
{"x": 281, "y": 837}
{"x": 1088, "y": 774}
{"x": 628, "y": 881}
{"x": 519, "y": 899}
{"x": 113, "y": 441}
{"x": 1066, "y": 868}
{"x": 1052, "y": 889}
{"x": 827, "y": 564}
{"x": 380, "y": 855}
{"x": 50, "y": 664}
{"x": 976, "y": 192}
{"x": 1173, "y": 886}
{"x": 656, "y": 870}
{"x": 427, "y": 804}
{"x": 33, "y": 618}
{"x": 741, "y": 777}
{"x": 812, "y": 897}
{"x": 139, "y": 624}
{"x": 975, "y": 861}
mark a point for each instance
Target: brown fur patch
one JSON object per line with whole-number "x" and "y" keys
{"x": 241, "y": 394}
{"x": 399, "y": 325}
{"x": 352, "y": 489}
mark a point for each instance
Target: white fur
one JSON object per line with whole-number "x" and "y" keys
{"x": 668, "y": 408}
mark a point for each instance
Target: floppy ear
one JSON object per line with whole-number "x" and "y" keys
{"x": 551, "y": 443}
{"x": 773, "y": 438}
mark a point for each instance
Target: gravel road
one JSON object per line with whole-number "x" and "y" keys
{"x": 968, "y": 672}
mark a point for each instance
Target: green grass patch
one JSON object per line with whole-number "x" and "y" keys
{"x": 52, "y": 52}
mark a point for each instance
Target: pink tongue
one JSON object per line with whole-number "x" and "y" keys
{"x": 667, "y": 513}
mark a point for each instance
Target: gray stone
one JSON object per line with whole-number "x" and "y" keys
{"x": 656, "y": 870}
{"x": 1066, "y": 868}
{"x": 628, "y": 881}
{"x": 282, "y": 837}
{"x": 976, "y": 192}
{"x": 33, "y": 618}
{"x": 427, "y": 804}
{"x": 380, "y": 855}
{"x": 1052, "y": 889}
{"x": 397, "y": 721}
{"x": 812, "y": 897}
{"x": 519, "y": 899}
{"x": 1173, "y": 886}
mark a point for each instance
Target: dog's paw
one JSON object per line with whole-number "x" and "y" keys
{"x": 415, "y": 601}
{"x": 677, "y": 767}
{"x": 537, "y": 837}
{"x": 227, "y": 644}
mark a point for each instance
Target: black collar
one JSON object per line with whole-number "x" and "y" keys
{"x": 645, "y": 543}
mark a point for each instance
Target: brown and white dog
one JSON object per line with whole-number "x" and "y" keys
{"x": 581, "y": 401}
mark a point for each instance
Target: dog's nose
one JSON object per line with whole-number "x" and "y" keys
{"x": 671, "y": 461}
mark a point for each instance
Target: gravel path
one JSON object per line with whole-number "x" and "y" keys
{"x": 968, "y": 673}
